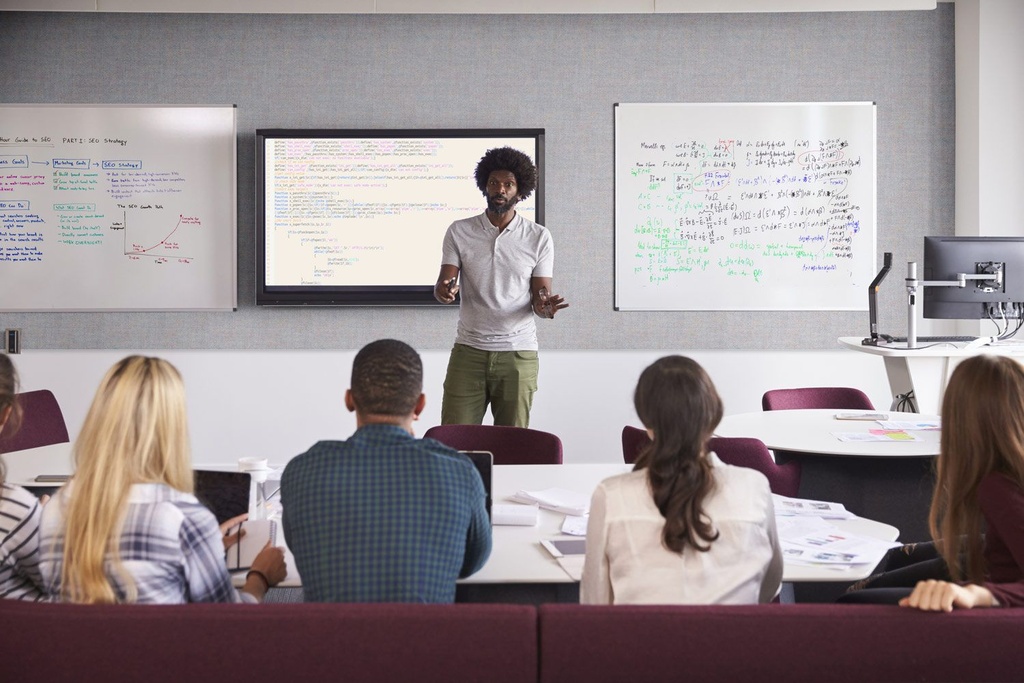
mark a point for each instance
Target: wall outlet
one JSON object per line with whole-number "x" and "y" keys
{"x": 12, "y": 341}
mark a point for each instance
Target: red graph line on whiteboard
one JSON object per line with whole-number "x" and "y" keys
{"x": 163, "y": 241}
{"x": 144, "y": 251}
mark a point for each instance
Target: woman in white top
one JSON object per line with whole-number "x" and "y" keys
{"x": 682, "y": 527}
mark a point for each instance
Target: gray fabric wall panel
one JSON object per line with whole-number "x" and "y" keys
{"x": 559, "y": 72}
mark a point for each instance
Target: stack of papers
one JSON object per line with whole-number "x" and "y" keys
{"x": 814, "y": 541}
{"x": 514, "y": 515}
{"x": 790, "y": 507}
{"x": 890, "y": 430}
{"x": 560, "y": 500}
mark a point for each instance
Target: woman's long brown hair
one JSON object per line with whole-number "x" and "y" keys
{"x": 982, "y": 433}
{"x": 676, "y": 400}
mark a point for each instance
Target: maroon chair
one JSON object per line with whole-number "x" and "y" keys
{"x": 42, "y": 423}
{"x": 843, "y": 398}
{"x": 510, "y": 445}
{"x": 839, "y": 398}
{"x": 746, "y": 452}
{"x": 634, "y": 441}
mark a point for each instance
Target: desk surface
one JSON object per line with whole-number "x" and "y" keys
{"x": 811, "y": 431}
{"x": 933, "y": 349}
{"x": 518, "y": 558}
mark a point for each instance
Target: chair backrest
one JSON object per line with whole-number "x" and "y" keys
{"x": 42, "y": 423}
{"x": 746, "y": 452}
{"x": 510, "y": 445}
{"x": 634, "y": 440}
{"x": 846, "y": 398}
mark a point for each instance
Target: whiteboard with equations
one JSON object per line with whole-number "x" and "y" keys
{"x": 744, "y": 206}
{"x": 117, "y": 207}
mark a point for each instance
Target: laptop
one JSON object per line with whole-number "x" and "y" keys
{"x": 226, "y": 493}
{"x": 484, "y": 463}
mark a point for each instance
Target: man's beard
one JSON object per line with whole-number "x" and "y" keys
{"x": 500, "y": 209}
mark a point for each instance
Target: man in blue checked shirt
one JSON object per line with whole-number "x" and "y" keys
{"x": 384, "y": 516}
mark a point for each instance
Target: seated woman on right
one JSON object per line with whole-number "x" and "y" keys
{"x": 682, "y": 527}
{"x": 977, "y": 511}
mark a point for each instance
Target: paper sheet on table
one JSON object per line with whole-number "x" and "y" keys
{"x": 910, "y": 426}
{"x": 877, "y": 435}
{"x": 810, "y": 540}
{"x": 575, "y": 525}
{"x": 572, "y": 565}
{"x": 560, "y": 500}
{"x": 785, "y": 506}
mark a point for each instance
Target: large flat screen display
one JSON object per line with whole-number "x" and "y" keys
{"x": 356, "y": 217}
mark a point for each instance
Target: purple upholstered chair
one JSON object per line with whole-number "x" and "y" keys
{"x": 42, "y": 423}
{"x": 634, "y": 440}
{"x": 742, "y": 452}
{"x": 510, "y": 445}
{"x": 746, "y": 452}
{"x": 843, "y": 398}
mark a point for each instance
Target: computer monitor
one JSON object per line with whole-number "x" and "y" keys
{"x": 998, "y": 296}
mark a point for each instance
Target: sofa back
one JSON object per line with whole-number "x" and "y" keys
{"x": 778, "y": 643}
{"x": 273, "y": 643}
{"x": 481, "y": 642}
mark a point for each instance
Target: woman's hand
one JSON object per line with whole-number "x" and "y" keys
{"x": 943, "y": 596}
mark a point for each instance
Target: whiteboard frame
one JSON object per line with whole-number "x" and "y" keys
{"x": 226, "y": 300}
{"x": 853, "y": 297}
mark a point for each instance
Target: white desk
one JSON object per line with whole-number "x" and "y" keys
{"x": 518, "y": 557}
{"x": 811, "y": 431}
{"x": 926, "y": 370}
{"x": 23, "y": 466}
{"x": 518, "y": 561}
{"x": 887, "y": 481}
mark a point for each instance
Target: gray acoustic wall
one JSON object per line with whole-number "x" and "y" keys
{"x": 559, "y": 72}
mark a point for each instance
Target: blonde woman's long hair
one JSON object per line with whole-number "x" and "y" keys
{"x": 136, "y": 431}
{"x": 982, "y": 433}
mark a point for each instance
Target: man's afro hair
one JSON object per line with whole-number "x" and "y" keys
{"x": 508, "y": 159}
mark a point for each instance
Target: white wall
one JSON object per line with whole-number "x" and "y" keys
{"x": 989, "y": 101}
{"x": 275, "y": 404}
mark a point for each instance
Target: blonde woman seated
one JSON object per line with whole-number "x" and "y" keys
{"x": 682, "y": 527}
{"x": 126, "y": 528}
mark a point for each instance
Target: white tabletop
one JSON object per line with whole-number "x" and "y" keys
{"x": 812, "y": 431}
{"x": 518, "y": 557}
{"x": 1009, "y": 347}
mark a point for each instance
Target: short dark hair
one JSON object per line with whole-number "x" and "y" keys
{"x": 508, "y": 159}
{"x": 387, "y": 378}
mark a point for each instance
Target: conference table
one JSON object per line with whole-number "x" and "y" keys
{"x": 520, "y": 570}
{"x": 888, "y": 481}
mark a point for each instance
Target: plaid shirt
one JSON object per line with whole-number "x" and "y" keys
{"x": 384, "y": 517}
{"x": 20, "y": 513}
{"x": 170, "y": 545}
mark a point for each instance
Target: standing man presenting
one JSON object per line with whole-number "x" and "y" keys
{"x": 505, "y": 262}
